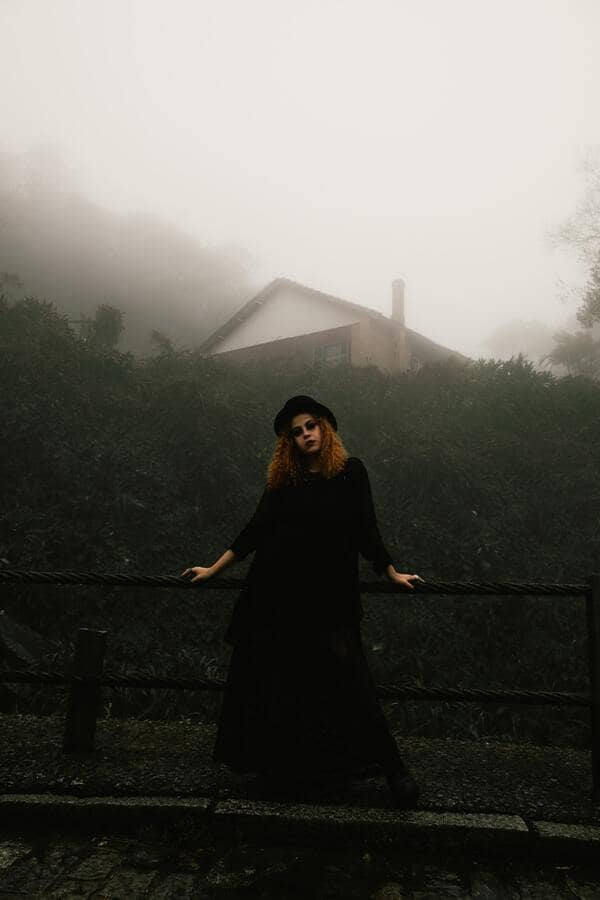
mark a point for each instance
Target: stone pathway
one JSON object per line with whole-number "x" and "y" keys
{"x": 114, "y": 868}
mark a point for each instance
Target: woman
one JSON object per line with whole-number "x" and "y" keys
{"x": 300, "y": 701}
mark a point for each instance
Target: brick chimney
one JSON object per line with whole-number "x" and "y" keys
{"x": 398, "y": 300}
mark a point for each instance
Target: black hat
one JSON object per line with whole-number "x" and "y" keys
{"x": 301, "y": 404}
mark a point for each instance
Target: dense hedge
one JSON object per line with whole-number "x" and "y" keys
{"x": 484, "y": 471}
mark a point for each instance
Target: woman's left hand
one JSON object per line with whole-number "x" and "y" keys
{"x": 402, "y": 578}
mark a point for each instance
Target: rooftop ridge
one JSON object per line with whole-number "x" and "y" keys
{"x": 245, "y": 311}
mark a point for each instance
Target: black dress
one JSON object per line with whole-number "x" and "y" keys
{"x": 299, "y": 695}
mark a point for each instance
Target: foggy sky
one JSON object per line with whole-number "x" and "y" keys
{"x": 343, "y": 143}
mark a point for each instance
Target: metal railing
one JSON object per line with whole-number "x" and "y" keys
{"x": 87, "y": 675}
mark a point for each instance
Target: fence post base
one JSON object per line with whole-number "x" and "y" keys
{"x": 84, "y": 699}
{"x": 592, "y": 603}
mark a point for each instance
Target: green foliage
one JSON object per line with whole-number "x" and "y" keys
{"x": 589, "y": 311}
{"x": 11, "y": 286}
{"x": 107, "y": 327}
{"x": 579, "y": 353}
{"x": 161, "y": 342}
{"x": 482, "y": 471}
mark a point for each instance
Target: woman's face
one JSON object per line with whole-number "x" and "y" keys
{"x": 306, "y": 434}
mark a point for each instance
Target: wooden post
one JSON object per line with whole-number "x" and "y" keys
{"x": 84, "y": 699}
{"x": 592, "y": 602}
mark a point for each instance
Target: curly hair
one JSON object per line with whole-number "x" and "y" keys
{"x": 287, "y": 465}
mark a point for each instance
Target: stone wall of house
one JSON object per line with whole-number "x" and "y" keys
{"x": 382, "y": 344}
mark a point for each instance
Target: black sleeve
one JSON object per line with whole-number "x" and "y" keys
{"x": 370, "y": 545}
{"x": 249, "y": 537}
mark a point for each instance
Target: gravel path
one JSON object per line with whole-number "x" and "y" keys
{"x": 137, "y": 758}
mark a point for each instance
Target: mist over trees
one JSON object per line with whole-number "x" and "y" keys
{"x": 581, "y": 231}
{"x": 58, "y": 246}
{"x": 578, "y": 352}
{"x": 532, "y": 339}
{"x": 570, "y": 350}
{"x": 589, "y": 311}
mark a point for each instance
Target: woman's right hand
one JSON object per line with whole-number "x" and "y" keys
{"x": 199, "y": 573}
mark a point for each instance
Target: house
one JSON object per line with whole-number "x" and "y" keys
{"x": 291, "y": 321}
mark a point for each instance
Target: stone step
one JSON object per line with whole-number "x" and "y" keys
{"x": 487, "y": 834}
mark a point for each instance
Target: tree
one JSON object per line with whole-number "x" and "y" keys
{"x": 579, "y": 353}
{"x": 107, "y": 326}
{"x": 163, "y": 344}
{"x": 581, "y": 231}
{"x": 589, "y": 311}
{"x": 32, "y": 323}
{"x": 11, "y": 286}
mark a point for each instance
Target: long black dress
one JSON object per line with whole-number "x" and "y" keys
{"x": 299, "y": 695}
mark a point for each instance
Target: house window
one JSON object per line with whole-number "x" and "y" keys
{"x": 332, "y": 354}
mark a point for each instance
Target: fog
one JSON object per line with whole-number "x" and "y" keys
{"x": 340, "y": 143}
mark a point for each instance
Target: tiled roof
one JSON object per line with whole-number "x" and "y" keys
{"x": 426, "y": 349}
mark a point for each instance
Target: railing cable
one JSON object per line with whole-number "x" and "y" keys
{"x": 110, "y": 579}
